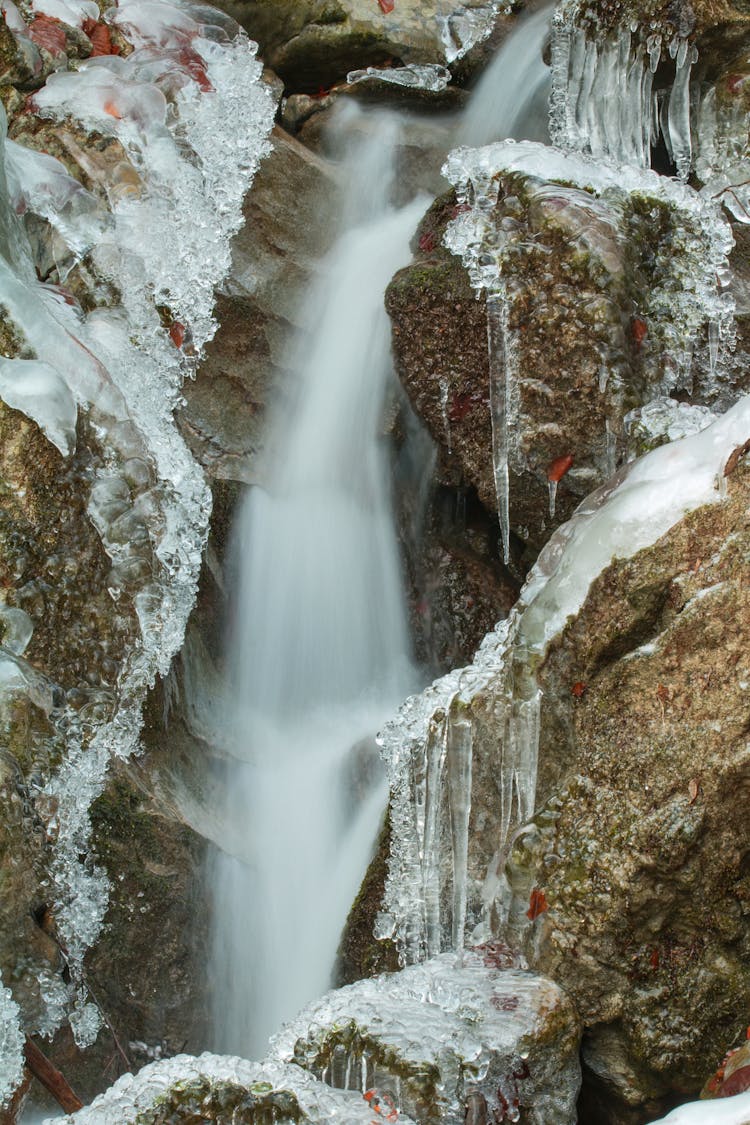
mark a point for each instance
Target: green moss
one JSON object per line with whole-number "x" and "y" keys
{"x": 201, "y": 1100}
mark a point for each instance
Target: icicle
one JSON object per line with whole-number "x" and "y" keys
{"x": 678, "y": 112}
{"x": 444, "y": 389}
{"x": 552, "y": 485}
{"x": 713, "y": 346}
{"x": 436, "y": 748}
{"x": 524, "y": 739}
{"x": 501, "y": 373}
{"x": 459, "y": 798}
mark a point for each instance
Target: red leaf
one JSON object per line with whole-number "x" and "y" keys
{"x": 557, "y": 469}
{"x": 737, "y": 1083}
{"x": 537, "y": 904}
{"x": 177, "y": 333}
{"x": 639, "y": 330}
{"x": 578, "y": 689}
{"x": 48, "y": 33}
{"x": 654, "y": 959}
{"x": 386, "y": 5}
{"x": 427, "y": 242}
{"x": 112, "y": 110}
{"x": 101, "y": 41}
{"x": 460, "y": 406}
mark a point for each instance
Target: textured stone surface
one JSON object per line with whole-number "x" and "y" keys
{"x": 641, "y": 845}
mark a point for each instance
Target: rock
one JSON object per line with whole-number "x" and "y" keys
{"x": 246, "y": 364}
{"x": 604, "y": 304}
{"x": 315, "y": 43}
{"x": 438, "y": 1034}
{"x": 640, "y": 847}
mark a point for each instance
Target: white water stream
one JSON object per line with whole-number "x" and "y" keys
{"x": 321, "y": 650}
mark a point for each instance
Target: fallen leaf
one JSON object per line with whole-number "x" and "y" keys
{"x": 578, "y": 689}
{"x": 654, "y": 959}
{"x": 177, "y": 333}
{"x": 48, "y": 33}
{"x": 427, "y": 242}
{"x": 386, "y": 5}
{"x": 662, "y": 693}
{"x": 557, "y": 469}
{"x": 639, "y": 331}
{"x": 693, "y": 789}
{"x": 734, "y": 458}
{"x": 112, "y": 110}
{"x": 537, "y": 904}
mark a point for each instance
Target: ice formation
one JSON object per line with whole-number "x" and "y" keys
{"x": 603, "y": 102}
{"x": 11, "y": 1046}
{"x": 643, "y": 501}
{"x": 430, "y": 76}
{"x": 662, "y": 420}
{"x": 437, "y": 1033}
{"x": 690, "y": 298}
{"x": 137, "y": 1099}
{"x": 467, "y": 26}
{"x": 718, "y": 1111}
{"x": 192, "y": 116}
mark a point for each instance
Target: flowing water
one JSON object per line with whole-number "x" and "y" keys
{"x": 321, "y": 651}
{"x": 511, "y": 98}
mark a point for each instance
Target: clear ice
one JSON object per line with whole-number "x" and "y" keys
{"x": 134, "y": 1097}
{"x": 436, "y": 1033}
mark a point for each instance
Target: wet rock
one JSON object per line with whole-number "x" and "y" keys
{"x": 246, "y": 364}
{"x": 315, "y": 43}
{"x": 599, "y": 319}
{"x": 641, "y": 842}
{"x": 437, "y": 1035}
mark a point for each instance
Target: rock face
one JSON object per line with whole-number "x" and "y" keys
{"x": 272, "y": 261}
{"x": 450, "y": 1037}
{"x": 315, "y": 43}
{"x": 640, "y": 848}
{"x": 592, "y": 316}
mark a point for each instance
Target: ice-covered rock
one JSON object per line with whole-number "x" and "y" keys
{"x": 111, "y": 489}
{"x": 213, "y": 1086}
{"x": 729, "y": 1111}
{"x": 313, "y": 47}
{"x": 445, "y": 874}
{"x": 444, "y": 1034}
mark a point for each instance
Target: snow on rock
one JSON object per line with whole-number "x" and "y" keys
{"x": 172, "y": 1088}
{"x": 721, "y": 1111}
{"x": 425, "y": 881}
{"x": 454, "y": 1031}
{"x": 38, "y": 391}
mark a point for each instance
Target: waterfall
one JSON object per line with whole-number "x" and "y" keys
{"x": 320, "y": 652}
{"x": 497, "y": 108}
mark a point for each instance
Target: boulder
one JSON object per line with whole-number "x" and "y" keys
{"x": 641, "y": 843}
{"x": 453, "y": 1036}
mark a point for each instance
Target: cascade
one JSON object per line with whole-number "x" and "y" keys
{"x": 496, "y": 110}
{"x": 320, "y": 650}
